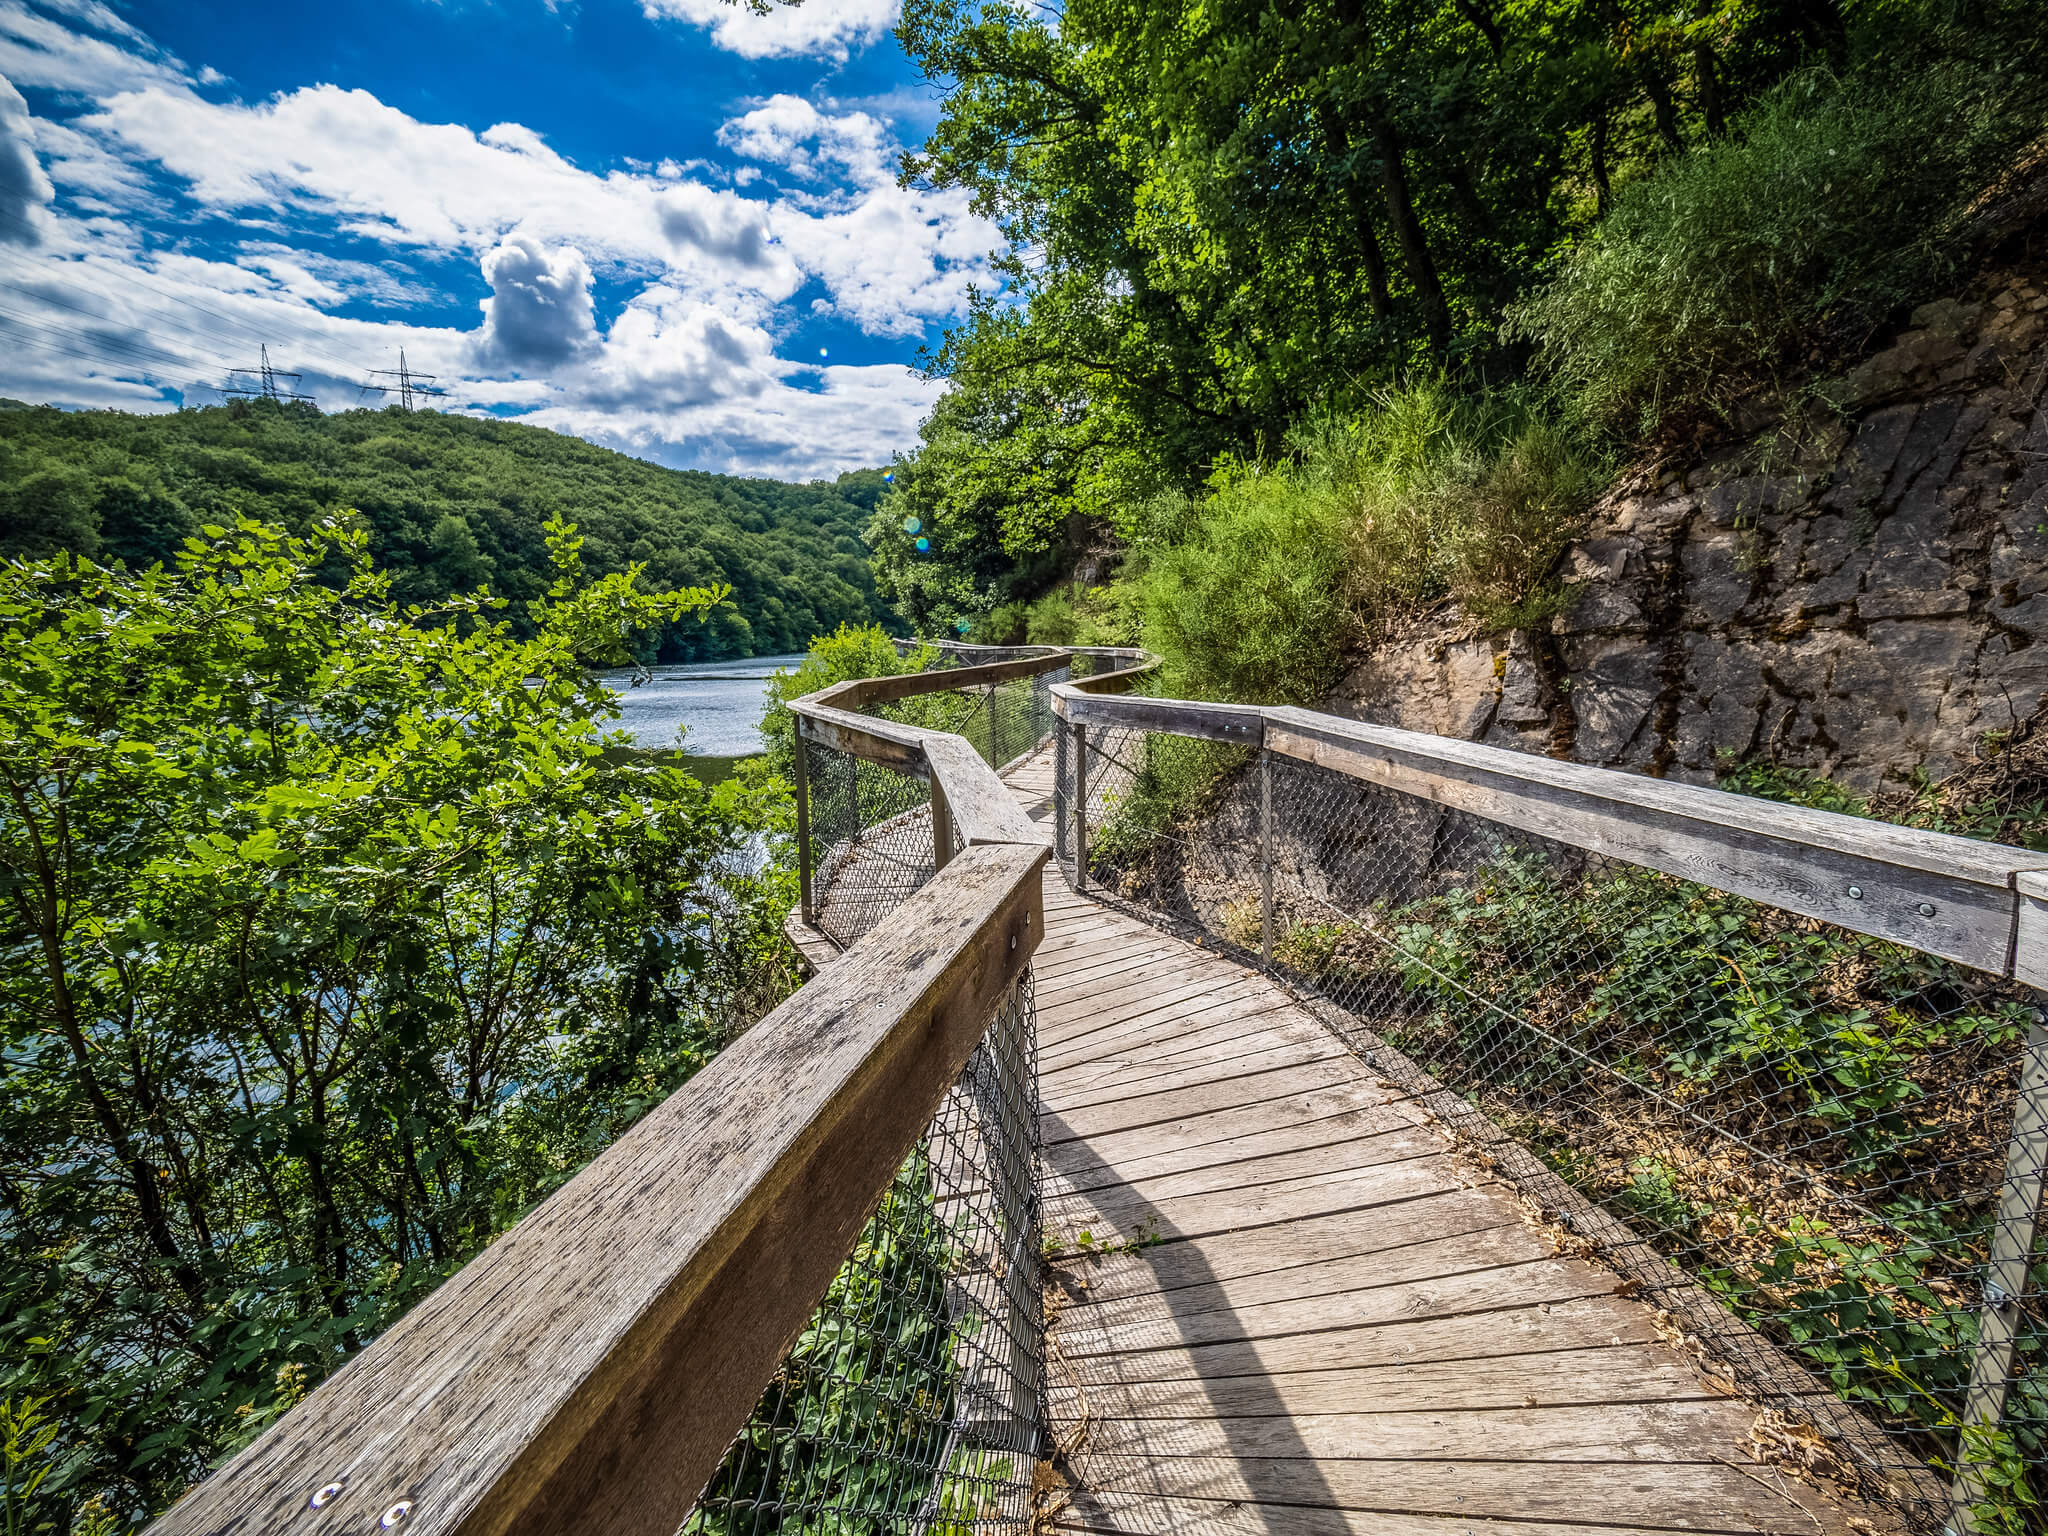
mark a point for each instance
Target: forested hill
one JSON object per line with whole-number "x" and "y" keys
{"x": 452, "y": 502}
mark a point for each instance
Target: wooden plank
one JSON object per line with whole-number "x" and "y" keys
{"x": 1088, "y": 957}
{"x": 1163, "y": 1029}
{"x": 1244, "y": 1002}
{"x": 1945, "y": 895}
{"x": 1081, "y": 1165}
{"x": 1147, "y": 1514}
{"x": 981, "y": 806}
{"x": 1126, "y": 1328}
{"x": 1097, "y": 942}
{"x": 1077, "y": 1029}
{"x": 904, "y": 685}
{"x": 1157, "y": 1108}
{"x": 2030, "y": 938}
{"x": 865, "y": 736}
{"x": 1628, "y": 1373}
{"x": 1689, "y": 1496}
{"x": 1238, "y": 1032}
{"x": 1084, "y": 1033}
{"x": 1063, "y": 1019}
{"x": 1226, "y": 1036}
{"x": 1492, "y": 1265}
{"x": 586, "y": 1371}
{"x": 1451, "y": 1232}
{"x": 1272, "y": 1109}
{"x": 1110, "y": 953}
{"x": 1322, "y": 1159}
{"x": 1690, "y": 1430}
{"x": 1125, "y": 1213}
{"x": 1084, "y": 1000}
{"x": 1486, "y": 1336}
{"x": 1240, "y": 725}
{"x": 814, "y": 947}
{"x": 1096, "y": 936}
{"x": 1196, "y": 1071}
{"x": 1459, "y": 1233}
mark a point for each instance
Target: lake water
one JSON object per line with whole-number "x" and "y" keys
{"x": 718, "y": 704}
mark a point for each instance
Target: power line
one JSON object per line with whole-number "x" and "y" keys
{"x": 240, "y": 329}
{"x": 110, "y": 348}
{"x": 410, "y": 386}
{"x": 265, "y": 387}
{"x": 407, "y": 382}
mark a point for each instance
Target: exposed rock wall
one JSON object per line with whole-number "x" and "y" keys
{"x": 1862, "y": 590}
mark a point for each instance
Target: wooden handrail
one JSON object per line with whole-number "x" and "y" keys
{"x": 586, "y": 1373}
{"x": 980, "y": 806}
{"x": 1954, "y": 897}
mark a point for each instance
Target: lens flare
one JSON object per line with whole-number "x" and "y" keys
{"x": 912, "y": 525}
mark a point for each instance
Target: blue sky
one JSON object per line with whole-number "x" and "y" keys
{"x": 669, "y": 226}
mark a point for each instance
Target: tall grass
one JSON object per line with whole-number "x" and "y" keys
{"x": 1833, "y": 203}
{"x": 1255, "y": 591}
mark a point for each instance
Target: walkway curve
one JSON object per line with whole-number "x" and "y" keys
{"x": 1284, "y": 1303}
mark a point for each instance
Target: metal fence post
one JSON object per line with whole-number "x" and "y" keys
{"x": 2005, "y": 1276}
{"x": 1081, "y": 808}
{"x": 1266, "y": 855}
{"x": 805, "y": 906}
{"x": 1060, "y": 797}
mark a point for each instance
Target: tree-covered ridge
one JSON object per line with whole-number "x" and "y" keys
{"x": 449, "y": 502}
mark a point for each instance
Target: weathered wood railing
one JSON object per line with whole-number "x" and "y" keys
{"x": 588, "y": 1370}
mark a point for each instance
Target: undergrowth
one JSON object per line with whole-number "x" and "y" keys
{"x": 1833, "y": 203}
{"x": 1805, "y": 1118}
{"x": 1254, "y": 591}
{"x": 2001, "y": 797}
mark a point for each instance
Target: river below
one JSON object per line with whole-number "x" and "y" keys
{"x": 707, "y": 709}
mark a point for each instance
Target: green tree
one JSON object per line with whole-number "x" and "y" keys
{"x": 333, "y": 938}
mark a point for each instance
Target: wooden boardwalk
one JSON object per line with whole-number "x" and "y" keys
{"x": 1285, "y": 1304}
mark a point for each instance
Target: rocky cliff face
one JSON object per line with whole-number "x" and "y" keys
{"x": 1861, "y": 589}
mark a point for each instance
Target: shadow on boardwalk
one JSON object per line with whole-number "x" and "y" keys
{"x": 1304, "y": 1313}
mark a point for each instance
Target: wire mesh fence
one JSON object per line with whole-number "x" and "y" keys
{"x": 870, "y": 842}
{"x": 1790, "y": 1137}
{"x": 1002, "y": 720}
{"x": 911, "y": 1402}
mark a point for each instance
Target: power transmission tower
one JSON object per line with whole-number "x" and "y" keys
{"x": 408, "y": 385}
{"x": 264, "y": 384}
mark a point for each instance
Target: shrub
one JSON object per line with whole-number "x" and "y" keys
{"x": 338, "y": 938}
{"x": 1255, "y": 592}
{"x": 847, "y": 653}
{"x": 1830, "y": 204}
{"x": 1252, "y": 602}
{"x": 1517, "y": 517}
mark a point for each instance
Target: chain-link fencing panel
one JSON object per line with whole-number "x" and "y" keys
{"x": 1003, "y": 721}
{"x": 1788, "y": 1136}
{"x": 912, "y": 1400}
{"x": 870, "y": 839}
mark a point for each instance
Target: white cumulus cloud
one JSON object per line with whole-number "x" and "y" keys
{"x": 24, "y": 187}
{"x": 539, "y": 314}
{"x": 819, "y": 28}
